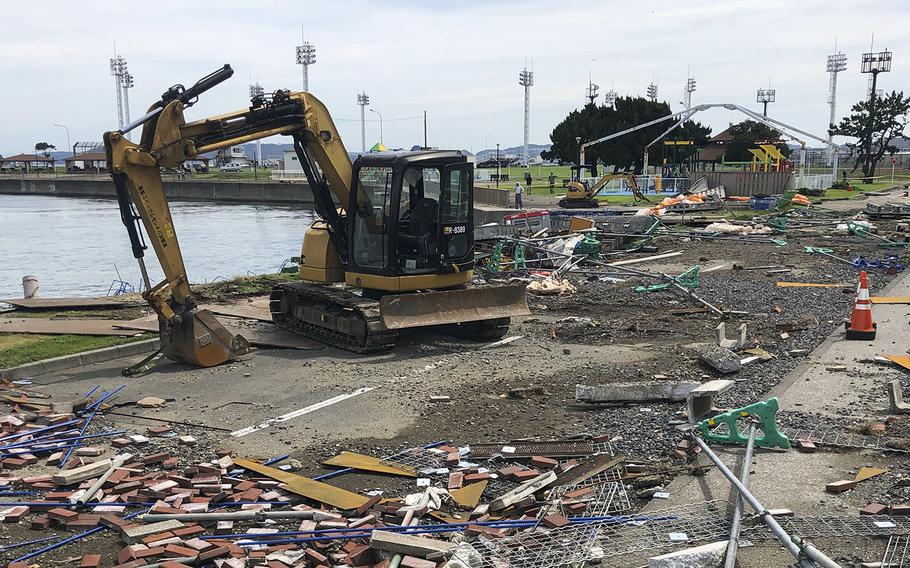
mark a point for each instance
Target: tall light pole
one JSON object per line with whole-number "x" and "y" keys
{"x": 306, "y": 56}
{"x": 68, "y": 145}
{"x": 381, "y": 141}
{"x": 117, "y": 65}
{"x": 873, "y": 62}
{"x": 652, "y": 92}
{"x": 257, "y": 92}
{"x": 690, "y": 88}
{"x": 765, "y": 96}
{"x": 126, "y": 83}
{"x": 836, "y": 63}
{"x": 526, "y": 80}
{"x": 497, "y": 165}
{"x": 363, "y": 100}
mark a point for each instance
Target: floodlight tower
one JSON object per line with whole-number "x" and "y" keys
{"x": 306, "y": 56}
{"x": 836, "y": 63}
{"x": 874, "y": 62}
{"x": 126, "y": 83}
{"x": 117, "y": 65}
{"x": 591, "y": 91}
{"x": 526, "y": 80}
{"x": 766, "y": 96}
{"x": 257, "y": 92}
{"x": 690, "y": 88}
{"x": 652, "y": 92}
{"x": 363, "y": 99}
{"x": 610, "y": 99}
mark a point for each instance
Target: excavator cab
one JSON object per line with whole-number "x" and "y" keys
{"x": 411, "y": 214}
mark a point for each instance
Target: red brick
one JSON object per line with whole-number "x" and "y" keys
{"x": 90, "y": 561}
{"x": 62, "y": 515}
{"x": 368, "y": 505}
{"x": 217, "y": 552}
{"x": 414, "y": 562}
{"x": 15, "y": 514}
{"x": 40, "y": 522}
{"x": 155, "y": 458}
{"x": 546, "y": 463}
{"x": 189, "y": 531}
{"x": 525, "y": 474}
{"x": 456, "y": 480}
{"x": 361, "y": 555}
{"x": 840, "y": 486}
{"x": 475, "y": 477}
{"x": 555, "y": 520}
{"x": 175, "y": 551}
{"x": 805, "y": 446}
{"x": 874, "y": 509}
{"x": 899, "y": 509}
{"x": 316, "y": 556}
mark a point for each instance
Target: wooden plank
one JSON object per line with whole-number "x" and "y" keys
{"x": 410, "y": 545}
{"x": 901, "y": 360}
{"x": 645, "y": 258}
{"x": 577, "y": 474}
{"x": 811, "y": 285}
{"x": 366, "y": 463}
{"x": 80, "y": 474}
{"x": 65, "y": 326}
{"x": 60, "y": 303}
{"x": 890, "y": 299}
{"x": 469, "y": 495}
{"x": 867, "y": 472}
{"x": 306, "y": 487}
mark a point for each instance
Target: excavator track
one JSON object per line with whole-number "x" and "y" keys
{"x": 332, "y": 316}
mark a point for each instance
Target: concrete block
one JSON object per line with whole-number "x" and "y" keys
{"x": 896, "y": 398}
{"x": 397, "y": 543}
{"x": 634, "y": 392}
{"x": 80, "y": 474}
{"x": 720, "y": 337}
{"x": 135, "y": 533}
{"x": 719, "y": 358}
{"x": 704, "y": 556}
{"x": 700, "y": 400}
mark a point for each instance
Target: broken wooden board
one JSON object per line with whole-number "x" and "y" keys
{"x": 811, "y": 285}
{"x": 890, "y": 299}
{"x": 902, "y": 360}
{"x": 363, "y": 462}
{"x": 645, "y": 258}
{"x": 258, "y": 333}
{"x": 469, "y": 495}
{"x": 46, "y": 326}
{"x": 579, "y": 473}
{"x": 866, "y": 472}
{"x": 306, "y": 487}
{"x": 63, "y": 303}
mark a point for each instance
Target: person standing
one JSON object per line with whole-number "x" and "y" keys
{"x": 528, "y": 181}
{"x": 518, "y": 191}
{"x": 552, "y": 181}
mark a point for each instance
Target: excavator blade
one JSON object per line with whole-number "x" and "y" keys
{"x": 421, "y": 309}
{"x": 195, "y": 337}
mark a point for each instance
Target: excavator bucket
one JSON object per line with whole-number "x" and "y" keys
{"x": 453, "y": 306}
{"x": 195, "y": 337}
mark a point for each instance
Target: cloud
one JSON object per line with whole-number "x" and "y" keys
{"x": 459, "y": 61}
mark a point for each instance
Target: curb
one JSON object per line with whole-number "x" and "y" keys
{"x": 102, "y": 355}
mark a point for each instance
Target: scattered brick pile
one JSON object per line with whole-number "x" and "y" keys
{"x": 149, "y": 481}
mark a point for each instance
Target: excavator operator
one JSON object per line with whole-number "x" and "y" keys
{"x": 418, "y": 222}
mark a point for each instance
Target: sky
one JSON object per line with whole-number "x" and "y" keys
{"x": 458, "y": 61}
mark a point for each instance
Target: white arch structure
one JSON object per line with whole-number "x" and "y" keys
{"x": 685, "y": 115}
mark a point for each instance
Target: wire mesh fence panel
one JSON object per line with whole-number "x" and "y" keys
{"x": 837, "y": 437}
{"x": 425, "y": 461}
{"x": 846, "y": 526}
{"x": 598, "y": 499}
{"x": 896, "y": 552}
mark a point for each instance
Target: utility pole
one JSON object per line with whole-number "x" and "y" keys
{"x": 381, "y": 140}
{"x": 126, "y": 83}
{"x": 425, "y": 146}
{"x": 873, "y": 62}
{"x": 363, "y": 100}
{"x": 591, "y": 91}
{"x": 497, "y": 165}
{"x": 306, "y": 56}
{"x": 117, "y": 64}
{"x": 836, "y": 63}
{"x": 526, "y": 80}
{"x": 690, "y": 88}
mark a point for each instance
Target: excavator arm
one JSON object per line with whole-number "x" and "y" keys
{"x": 190, "y": 334}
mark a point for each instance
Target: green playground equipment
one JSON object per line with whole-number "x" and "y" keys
{"x": 763, "y": 413}
{"x": 688, "y": 279}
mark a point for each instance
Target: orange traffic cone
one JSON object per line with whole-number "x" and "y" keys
{"x": 860, "y": 325}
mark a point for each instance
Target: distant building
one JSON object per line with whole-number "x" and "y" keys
{"x": 232, "y": 155}
{"x": 87, "y": 162}
{"x": 290, "y": 162}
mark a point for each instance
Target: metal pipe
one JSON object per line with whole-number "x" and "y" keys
{"x": 66, "y": 505}
{"x": 37, "y": 430}
{"x": 234, "y": 516}
{"x": 6, "y": 547}
{"x": 733, "y": 543}
{"x": 95, "y": 487}
{"x": 61, "y": 440}
{"x": 94, "y": 408}
{"x": 804, "y": 554}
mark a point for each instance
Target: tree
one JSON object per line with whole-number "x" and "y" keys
{"x": 593, "y": 122}
{"x": 45, "y": 148}
{"x": 749, "y": 134}
{"x": 874, "y": 137}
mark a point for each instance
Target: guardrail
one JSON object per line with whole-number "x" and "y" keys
{"x": 490, "y": 196}
{"x": 287, "y": 175}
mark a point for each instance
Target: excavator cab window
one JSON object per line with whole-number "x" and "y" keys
{"x": 373, "y": 210}
{"x": 418, "y": 225}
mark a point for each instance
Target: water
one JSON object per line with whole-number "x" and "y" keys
{"x": 72, "y": 245}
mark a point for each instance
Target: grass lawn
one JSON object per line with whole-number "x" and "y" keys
{"x": 21, "y": 348}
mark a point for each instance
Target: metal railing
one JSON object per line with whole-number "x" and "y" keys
{"x": 812, "y": 181}
{"x": 288, "y": 175}
{"x": 648, "y": 184}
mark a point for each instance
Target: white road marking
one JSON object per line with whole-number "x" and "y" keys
{"x": 299, "y": 412}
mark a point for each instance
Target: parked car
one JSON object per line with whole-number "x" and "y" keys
{"x": 233, "y": 167}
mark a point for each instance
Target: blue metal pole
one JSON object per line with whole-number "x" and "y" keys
{"x": 37, "y": 430}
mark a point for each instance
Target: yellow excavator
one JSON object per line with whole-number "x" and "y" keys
{"x": 393, "y": 247}
{"x": 581, "y": 195}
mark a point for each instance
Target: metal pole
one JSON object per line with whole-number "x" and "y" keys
{"x": 95, "y": 487}
{"x": 68, "y": 145}
{"x": 868, "y": 165}
{"x": 805, "y": 554}
{"x": 363, "y": 129}
{"x": 381, "y": 140}
{"x": 232, "y": 516}
{"x": 425, "y": 146}
{"x": 497, "y": 165}
{"x": 733, "y": 543}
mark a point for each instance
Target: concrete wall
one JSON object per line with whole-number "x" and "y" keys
{"x": 190, "y": 190}
{"x": 498, "y": 197}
